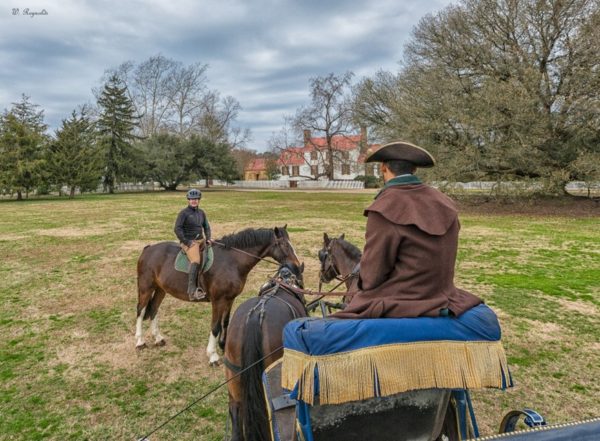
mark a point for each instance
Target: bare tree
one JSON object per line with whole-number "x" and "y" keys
{"x": 187, "y": 91}
{"x": 329, "y": 114}
{"x": 150, "y": 88}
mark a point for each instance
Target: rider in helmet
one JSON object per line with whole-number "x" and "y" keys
{"x": 191, "y": 227}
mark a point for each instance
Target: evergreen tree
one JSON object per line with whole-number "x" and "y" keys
{"x": 74, "y": 158}
{"x": 169, "y": 159}
{"x": 116, "y": 127}
{"x": 22, "y": 144}
{"x": 212, "y": 160}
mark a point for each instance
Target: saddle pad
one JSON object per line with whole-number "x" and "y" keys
{"x": 345, "y": 360}
{"x": 182, "y": 263}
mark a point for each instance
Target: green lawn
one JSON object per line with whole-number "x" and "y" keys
{"x": 69, "y": 370}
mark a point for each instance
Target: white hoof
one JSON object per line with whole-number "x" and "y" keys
{"x": 214, "y": 360}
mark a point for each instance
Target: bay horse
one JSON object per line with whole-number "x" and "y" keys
{"x": 256, "y": 331}
{"x": 339, "y": 260}
{"x": 234, "y": 257}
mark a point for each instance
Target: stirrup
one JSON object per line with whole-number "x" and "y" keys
{"x": 198, "y": 295}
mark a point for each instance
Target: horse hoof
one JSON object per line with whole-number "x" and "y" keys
{"x": 140, "y": 347}
{"x": 214, "y": 363}
{"x": 160, "y": 343}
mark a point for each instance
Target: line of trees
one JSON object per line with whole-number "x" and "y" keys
{"x": 156, "y": 121}
{"x": 497, "y": 90}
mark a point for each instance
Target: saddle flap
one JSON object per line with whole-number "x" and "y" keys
{"x": 182, "y": 263}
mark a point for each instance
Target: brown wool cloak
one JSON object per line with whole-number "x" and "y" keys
{"x": 407, "y": 266}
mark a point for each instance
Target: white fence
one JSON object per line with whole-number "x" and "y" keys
{"x": 314, "y": 185}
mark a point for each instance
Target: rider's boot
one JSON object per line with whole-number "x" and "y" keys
{"x": 194, "y": 292}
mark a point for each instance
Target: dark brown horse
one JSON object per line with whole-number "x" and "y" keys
{"x": 339, "y": 260}
{"x": 234, "y": 256}
{"x": 256, "y": 331}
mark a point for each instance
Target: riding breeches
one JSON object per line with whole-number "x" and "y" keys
{"x": 194, "y": 251}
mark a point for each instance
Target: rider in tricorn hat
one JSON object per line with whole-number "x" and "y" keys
{"x": 411, "y": 239}
{"x": 189, "y": 226}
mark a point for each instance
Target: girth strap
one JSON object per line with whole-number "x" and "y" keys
{"x": 232, "y": 367}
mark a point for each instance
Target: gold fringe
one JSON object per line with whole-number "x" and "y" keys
{"x": 395, "y": 368}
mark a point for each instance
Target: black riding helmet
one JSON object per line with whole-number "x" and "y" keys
{"x": 194, "y": 194}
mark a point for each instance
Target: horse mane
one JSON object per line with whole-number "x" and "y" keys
{"x": 351, "y": 250}
{"x": 248, "y": 238}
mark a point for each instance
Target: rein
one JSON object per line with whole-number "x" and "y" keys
{"x": 221, "y": 244}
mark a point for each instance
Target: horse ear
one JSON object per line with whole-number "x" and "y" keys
{"x": 285, "y": 227}
{"x": 302, "y": 268}
{"x": 342, "y": 236}
{"x": 278, "y": 232}
{"x": 325, "y": 239}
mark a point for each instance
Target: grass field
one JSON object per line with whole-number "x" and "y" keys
{"x": 69, "y": 370}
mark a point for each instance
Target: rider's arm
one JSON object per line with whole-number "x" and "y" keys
{"x": 179, "y": 227}
{"x": 382, "y": 242}
{"x": 206, "y": 228}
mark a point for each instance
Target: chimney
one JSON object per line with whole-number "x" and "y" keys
{"x": 306, "y": 137}
{"x": 363, "y": 139}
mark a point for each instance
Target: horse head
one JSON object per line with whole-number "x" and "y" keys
{"x": 282, "y": 249}
{"x": 327, "y": 256}
{"x": 291, "y": 274}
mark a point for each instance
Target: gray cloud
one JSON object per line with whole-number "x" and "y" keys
{"x": 261, "y": 52}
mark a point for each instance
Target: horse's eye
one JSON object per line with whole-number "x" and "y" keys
{"x": 322, "y": 255}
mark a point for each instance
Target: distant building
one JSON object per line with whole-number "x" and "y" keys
{"x": 256, "y": 170}
{"x": 312, "y": 159}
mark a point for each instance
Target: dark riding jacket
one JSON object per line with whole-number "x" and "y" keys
{"x": 190, "y": 224}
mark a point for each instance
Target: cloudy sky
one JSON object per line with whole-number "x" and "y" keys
{"x": 261, "y": 52}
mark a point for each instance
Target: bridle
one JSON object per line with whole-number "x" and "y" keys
{"x": 277, "y": 242}
{"x": 325, "y": 257}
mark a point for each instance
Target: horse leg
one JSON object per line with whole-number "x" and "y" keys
{"x": 157, "y": 299}
{"x": 234, "y": 414}
{"x": 225, "y": 325}
{"x": 145, "y": 293}
{"x": 218, "y": 311}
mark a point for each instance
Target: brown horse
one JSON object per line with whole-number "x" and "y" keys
{"x": 256, "y": 331}
{"x": 339, "y": 260}
{"x": 234, "y": 256}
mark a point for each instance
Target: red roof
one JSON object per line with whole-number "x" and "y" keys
{"x": 295, "y": 155}
{"x": 257, "y": 165}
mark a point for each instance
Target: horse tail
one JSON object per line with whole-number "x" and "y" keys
{"x": 254, "y": 418}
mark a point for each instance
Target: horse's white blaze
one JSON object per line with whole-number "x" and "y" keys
{"x": 155, "y": 331}
{"x": 211, "y": 349}
{"x": 293, "y": 250}
{"x": 139, "y": 340}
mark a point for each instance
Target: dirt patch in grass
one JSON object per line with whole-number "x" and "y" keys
{"x": 567, "y": 206}
{"x": 81, "y": 231}
{"x": 580, "y": 307}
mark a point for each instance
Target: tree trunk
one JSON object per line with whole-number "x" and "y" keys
{"x": 19, "y": 195}
{"x": 72, "y": 193}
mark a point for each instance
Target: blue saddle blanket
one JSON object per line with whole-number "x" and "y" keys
{"x": 344, "y": 360}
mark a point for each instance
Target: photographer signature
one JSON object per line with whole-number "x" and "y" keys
{"x": 29, "y": 12}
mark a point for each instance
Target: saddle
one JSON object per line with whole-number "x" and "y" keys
{"x": 182, "y": 263}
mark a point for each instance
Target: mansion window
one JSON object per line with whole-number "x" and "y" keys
{"x": 313, "y": 155}
{"x": 314, "y": 170}
{"x": 345, "y": 168}
{"x": 284, "y": 170}
{"x": 295, "y": 170}
{"x": 346, "y": 156}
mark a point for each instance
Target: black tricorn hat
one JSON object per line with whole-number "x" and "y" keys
{"x": 402, "y": 151}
